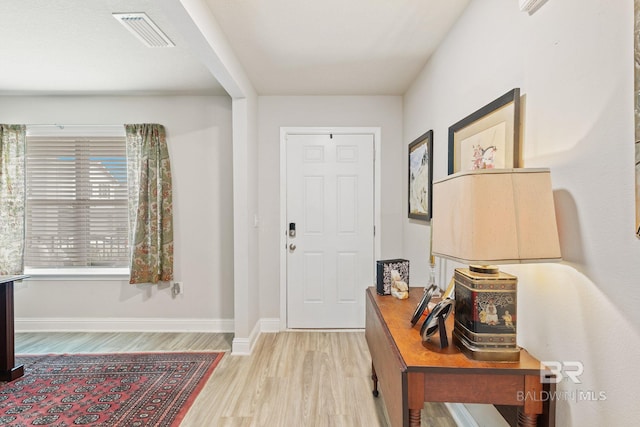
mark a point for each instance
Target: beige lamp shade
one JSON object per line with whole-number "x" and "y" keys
{"x": 495, "y": 216}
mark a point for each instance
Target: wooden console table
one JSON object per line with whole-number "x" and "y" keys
{"x": 8, "y": 370}
{"x": 411, "y": 372}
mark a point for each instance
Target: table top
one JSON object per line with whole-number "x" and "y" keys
{"x": 7, "y": 279}
{"x": 428, "y": 355}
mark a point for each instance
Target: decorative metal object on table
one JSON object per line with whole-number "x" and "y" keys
{"x": 440, "y": 312}
{"x": 486, "y": 301}
{"x": 435, "y": 321}
{"x": 423, "y": 304}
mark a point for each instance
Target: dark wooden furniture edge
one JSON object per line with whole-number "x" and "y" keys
{"x": 388, "y": 335}
{"x": 8, "y": 369}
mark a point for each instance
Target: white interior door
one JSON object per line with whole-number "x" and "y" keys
{"x": 330, "y": 256}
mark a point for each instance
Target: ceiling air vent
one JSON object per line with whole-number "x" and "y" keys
{"x": 144, "y": 29}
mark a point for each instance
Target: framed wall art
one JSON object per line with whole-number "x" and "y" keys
{"x": 421, "y": 176}
{"x": 488, "y": 138}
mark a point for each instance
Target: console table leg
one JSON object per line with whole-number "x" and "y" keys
{"x": 414, "y": 417}
{"x": 527, "y": 420}
{"x": 374, "y": 378}
{"x": 8, "y": 369}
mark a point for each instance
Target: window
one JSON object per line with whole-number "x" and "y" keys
{"x": 76, "y": 202}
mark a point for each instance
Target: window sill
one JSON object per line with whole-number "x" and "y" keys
{"x": 77, "y": 273}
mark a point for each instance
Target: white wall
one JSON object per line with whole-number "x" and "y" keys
{"x": 246, "y": 253}
{"x": 573, "y": 60}
{"x": 199, "y": 140}
{"x": 209, "y": 43}
{"x": 324, "y": 111}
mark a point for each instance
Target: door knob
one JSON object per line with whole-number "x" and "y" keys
{"x": 292, "y": 247}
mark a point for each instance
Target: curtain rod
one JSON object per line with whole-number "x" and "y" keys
{"x": 62, "y": 126}
{"x": 62, "y": 130}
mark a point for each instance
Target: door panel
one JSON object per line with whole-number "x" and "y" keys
{"x": 347, "y": 277}
{"x": 313, "y": 277}
{"x": 313, "y": 206}
{"x": 330, "y": 188}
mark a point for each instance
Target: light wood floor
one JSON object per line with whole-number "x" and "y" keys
{"x": 291, "y": 378}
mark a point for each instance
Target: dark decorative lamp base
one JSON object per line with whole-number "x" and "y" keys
{"x": 485, "y": 314}
{"x": 485, "y": 353}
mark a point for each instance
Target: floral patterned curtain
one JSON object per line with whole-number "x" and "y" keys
{"x": 150, "y": 204}
{"x": 12, "y": 188}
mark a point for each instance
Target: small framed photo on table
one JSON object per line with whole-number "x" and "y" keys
{"x": 488, "y": 138}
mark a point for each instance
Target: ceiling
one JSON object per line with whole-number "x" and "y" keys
{"x": 287, "y": 47}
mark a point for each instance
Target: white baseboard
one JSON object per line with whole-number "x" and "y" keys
{"x": 244, "y": 346}
{"x": 240, "y": 345}
{"x": 461, "y": 415}
{"x": 270, "y": 325}
{"x": 483, "y": 415}
{"x": 123, "y": 325}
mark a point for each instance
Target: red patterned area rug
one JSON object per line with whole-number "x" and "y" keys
{"x": 118, "y": 389}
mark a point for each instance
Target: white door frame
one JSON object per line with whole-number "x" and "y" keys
{"x": 284, "y": 131}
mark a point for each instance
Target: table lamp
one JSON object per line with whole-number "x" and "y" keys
{"x": 488, "y": 217}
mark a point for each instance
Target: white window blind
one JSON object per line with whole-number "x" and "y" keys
{"x": 76, "y": 207}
